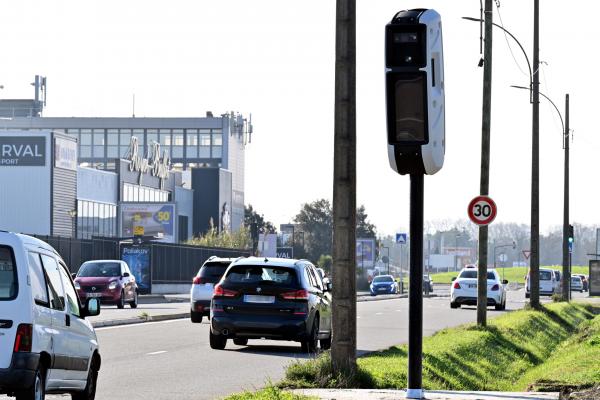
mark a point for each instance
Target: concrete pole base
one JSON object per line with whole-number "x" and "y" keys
{"x": 415, "y": 394}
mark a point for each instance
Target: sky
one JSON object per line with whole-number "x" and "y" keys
{"x": 275, "y": 59}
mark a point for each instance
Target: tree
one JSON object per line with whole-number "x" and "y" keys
{"x": 316, "y": 221}
{"x": 364, "y": 229}
{"x": 254, "y": 219}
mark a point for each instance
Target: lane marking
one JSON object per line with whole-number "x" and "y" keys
{"x": 106, "y": 328}
{"x": 156, "y": 352}
{"x": 379, "y": 313}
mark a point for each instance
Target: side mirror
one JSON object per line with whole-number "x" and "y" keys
{"x": 73, "y": 275}
{"x": 328, "y": 286}
{"x": 505, "y": 282}
{"x": 125, "y": 274}
{"x": 453, "y": 279}
{"x": 92, "y": 307}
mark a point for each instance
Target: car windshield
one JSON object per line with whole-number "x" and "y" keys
{"x": 379, "y": 279}
{"x": 8, "y": 274}
{"x": 100, "y": 270}
{"x": 545, "y": 275}
{"x": 254, "y": 274}
{"x": 472, "y": 274}
{"x": 212, "y": 272}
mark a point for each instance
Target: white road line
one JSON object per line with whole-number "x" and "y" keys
{"x": 156, "y": 352}
{"x": 105, "y": 328}
{"x": 379, "y": 313}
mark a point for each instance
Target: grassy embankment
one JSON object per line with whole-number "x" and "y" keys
{"x": 515, "y": 352}
{"x": 514, "y": 274}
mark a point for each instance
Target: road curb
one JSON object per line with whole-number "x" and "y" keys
{"x": 139, "y": 320}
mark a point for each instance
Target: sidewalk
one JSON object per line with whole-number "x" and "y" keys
{"x": 381, "y": 394}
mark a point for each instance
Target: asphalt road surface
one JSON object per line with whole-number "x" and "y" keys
{"x": 172, "y": 359}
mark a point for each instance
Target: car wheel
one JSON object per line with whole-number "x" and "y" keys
{"x": 526, "y": 295}
{"x": 89, "y": 393}
{"x": 454, "y": 305}
{"x": 38, "y": 390}
{"x": 121, "y": 301}
{"x": 310, "y": 345}
{"x": 217, "y": 342}
{"x": 134, "y": 303}
{"x": 325, "y": 343}
{"x": 196, "y": 317}
{"x": 240, "y": 341}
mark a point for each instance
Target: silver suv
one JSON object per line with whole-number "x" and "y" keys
{"x": 201, "y": 293}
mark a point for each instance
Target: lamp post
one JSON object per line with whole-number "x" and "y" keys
{"x": 73, "y": 215}
{"x": 456, "y": 236}
{"x": 387, "y": 264}
{"x": 513, "y": 245}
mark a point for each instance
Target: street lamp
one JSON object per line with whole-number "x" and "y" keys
{"x": 387, "y": 260}
{"x": 513, "y": 245}
{"x": 73, "y": 215}
{"x": 456, "y": 236}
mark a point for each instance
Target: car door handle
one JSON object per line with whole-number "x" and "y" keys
{"x": 67, "y": 320}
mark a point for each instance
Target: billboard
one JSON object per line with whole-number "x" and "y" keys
{"x": 594, "y": 278}
{"x": 365, "y": 252}
{"x": 153, "y": 219}
{"x": 20, "y": 151}
{"x": 65, "y": 153}
{"x": 138, "y": 259}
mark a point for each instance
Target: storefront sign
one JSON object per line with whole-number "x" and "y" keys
{"x": 365, "y": 252}
{"x": 152, "y": 163}
{"x": 22, "y": 151}
{"x": 65, "y": 154}
{"x": 138, "y": 260}
{"x": 153, "y": 219}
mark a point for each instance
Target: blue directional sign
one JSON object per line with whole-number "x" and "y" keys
{"x": 570, "y": 247}
{"x": 401, "y": 238}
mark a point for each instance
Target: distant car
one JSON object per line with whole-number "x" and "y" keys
{"x": 384, "y": 284}
{"x": 46, "y": 341}
{"x": 209, "y": 274}
{"x": 584, "y": 280}
{"x": 427, "y": 283}
{"x": 464, "y": 289}
{"x": 576, "y": 283}
{"x": 271, "y": 298}
{"x": 548, "y": 285}
{"x": 110, "y": 281}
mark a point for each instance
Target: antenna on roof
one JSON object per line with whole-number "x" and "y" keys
{"x": 133, "y": 105}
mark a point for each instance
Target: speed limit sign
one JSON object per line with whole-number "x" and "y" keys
{"x": 482, "y": 210}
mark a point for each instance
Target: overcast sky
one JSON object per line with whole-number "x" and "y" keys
{"x": 275, "y": 59}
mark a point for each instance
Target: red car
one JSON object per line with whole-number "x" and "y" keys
{"x": 109, "y": 280}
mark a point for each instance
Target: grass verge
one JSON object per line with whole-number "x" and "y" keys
{"x": 268, "y": 393}
{"x": 463, "y": 358}
{"x": 513, "y": 274}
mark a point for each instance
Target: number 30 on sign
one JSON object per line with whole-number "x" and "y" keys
{"x": 482, "y": 210}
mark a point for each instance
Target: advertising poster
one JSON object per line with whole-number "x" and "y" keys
{"x": 365, "y": 253}
{"x": 138, "y": 259}
{"x": 594, "y": 278}
{"x": 153, "y": 219}
{"x": 65, "y": 154}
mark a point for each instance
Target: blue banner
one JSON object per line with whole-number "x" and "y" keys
{"x": 138, "y": 259}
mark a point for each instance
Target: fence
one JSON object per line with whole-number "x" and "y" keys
{"x": 170, "y": 263}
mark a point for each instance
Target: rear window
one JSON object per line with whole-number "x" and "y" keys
{"x": 576, "y": 279}
{"x": 472, "y": 274}
{"x": 212, "y": 272}
{"x": 100, "y": 269}
{"x": 250, "y": 274}
{"x": 545, "y": 275}
{"x": 8, "y": 274}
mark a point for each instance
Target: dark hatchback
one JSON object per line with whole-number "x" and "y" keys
{"x": 280, "y": 299}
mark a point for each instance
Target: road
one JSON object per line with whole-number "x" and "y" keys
{"x": 172, "y": 359}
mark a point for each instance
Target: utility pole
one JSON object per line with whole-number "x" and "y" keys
{"x": 343, "y": 350}
{"x": 534, "y": 270}
{"x": 484, "y": 184}
{"x": 566, "y": 294}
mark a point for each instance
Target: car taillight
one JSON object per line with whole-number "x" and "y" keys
{"x": 197, "y": 280}
{"x": 23, "y": 338}
{"x": 301, "y": 294}
{"x": 495, "y": 287}
{"x": 220, "y": 291}
{"x": 456, "y": 285}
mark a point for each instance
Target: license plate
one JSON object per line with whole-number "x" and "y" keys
{"x": 472, "y": 286}
{"x": 252, "y": 298}
{"x": 94, "y": 294}
{"x": 381, "y": 289}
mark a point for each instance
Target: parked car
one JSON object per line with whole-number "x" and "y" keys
{"x": 271, "y": 298}
{"x": 46, "y": 344}
{"x": 384, "y": 284}
{"x": 111, "y": 281}
{"x": 464, "y": 289}
{"x": 203, "y": 284}
{"x": 548, "y": 283}
{"x": 584, "y": 281}
{"x": 576, "y": 283}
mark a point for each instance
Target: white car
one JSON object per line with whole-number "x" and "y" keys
{"x": 576, "y": 283}
{"x": 464, "y": 289}
{"x": 46, "y": 344}
{"x": 548, "y": 283}
{"x": 203, "y": 284}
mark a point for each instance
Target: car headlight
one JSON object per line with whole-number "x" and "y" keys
{"x": 77, "y": 285}
{"x": 113, "y": 285}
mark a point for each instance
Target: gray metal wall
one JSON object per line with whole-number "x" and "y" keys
{"x": 185, "y": 206}
{"x": 25, "y": 193}
{"x": 64, "y": 196}
{"x": 97, "y": 185}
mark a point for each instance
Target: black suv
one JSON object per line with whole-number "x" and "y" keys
{"x": 271, "y": 298}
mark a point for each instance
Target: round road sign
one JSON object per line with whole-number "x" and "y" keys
{"x": 482, "y": 210}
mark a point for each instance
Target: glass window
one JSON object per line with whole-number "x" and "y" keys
{"x": 91, "y": 269}
{"x": 85, "y": 139}
{"x": 112, "y": 151}
{"x": 204, "y": 140}
{"x": 85, "y": 151}
{"x": 136, "y": 193}
{"x": 9, "y": 286}
{"x": 217, "y": 140}
{"x": 177, "y": 142}
{"x": 112, "y": 137}
{"x": 204, "y": 152}
{"x": 101, "y": 219}
{"x": 250, "y": 274}
{"x": 472, "y": 274}
{"x": 96, "y": 214}
{"x": 55, "y": 288}
{"x": 38, "y": 282}
{"x": 139, "y": 134}
{"x": 70, "y": 294}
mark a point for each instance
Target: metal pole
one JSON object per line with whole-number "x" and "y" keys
{"x": 535, "y": 164}
{"x": 415, "y": 289}
{"x": 343, "y": 350}
{"x": 566, "y": 272}
{"x": 485, "y": 164}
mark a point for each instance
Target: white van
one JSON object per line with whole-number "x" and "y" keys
{"x": 46, "y": 344}
{"x": 549, "y": 283}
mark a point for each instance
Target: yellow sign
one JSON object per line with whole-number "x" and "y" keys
{"x": 138, "y": 230}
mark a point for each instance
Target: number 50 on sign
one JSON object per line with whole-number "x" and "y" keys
{"x": 482, "y": 210}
